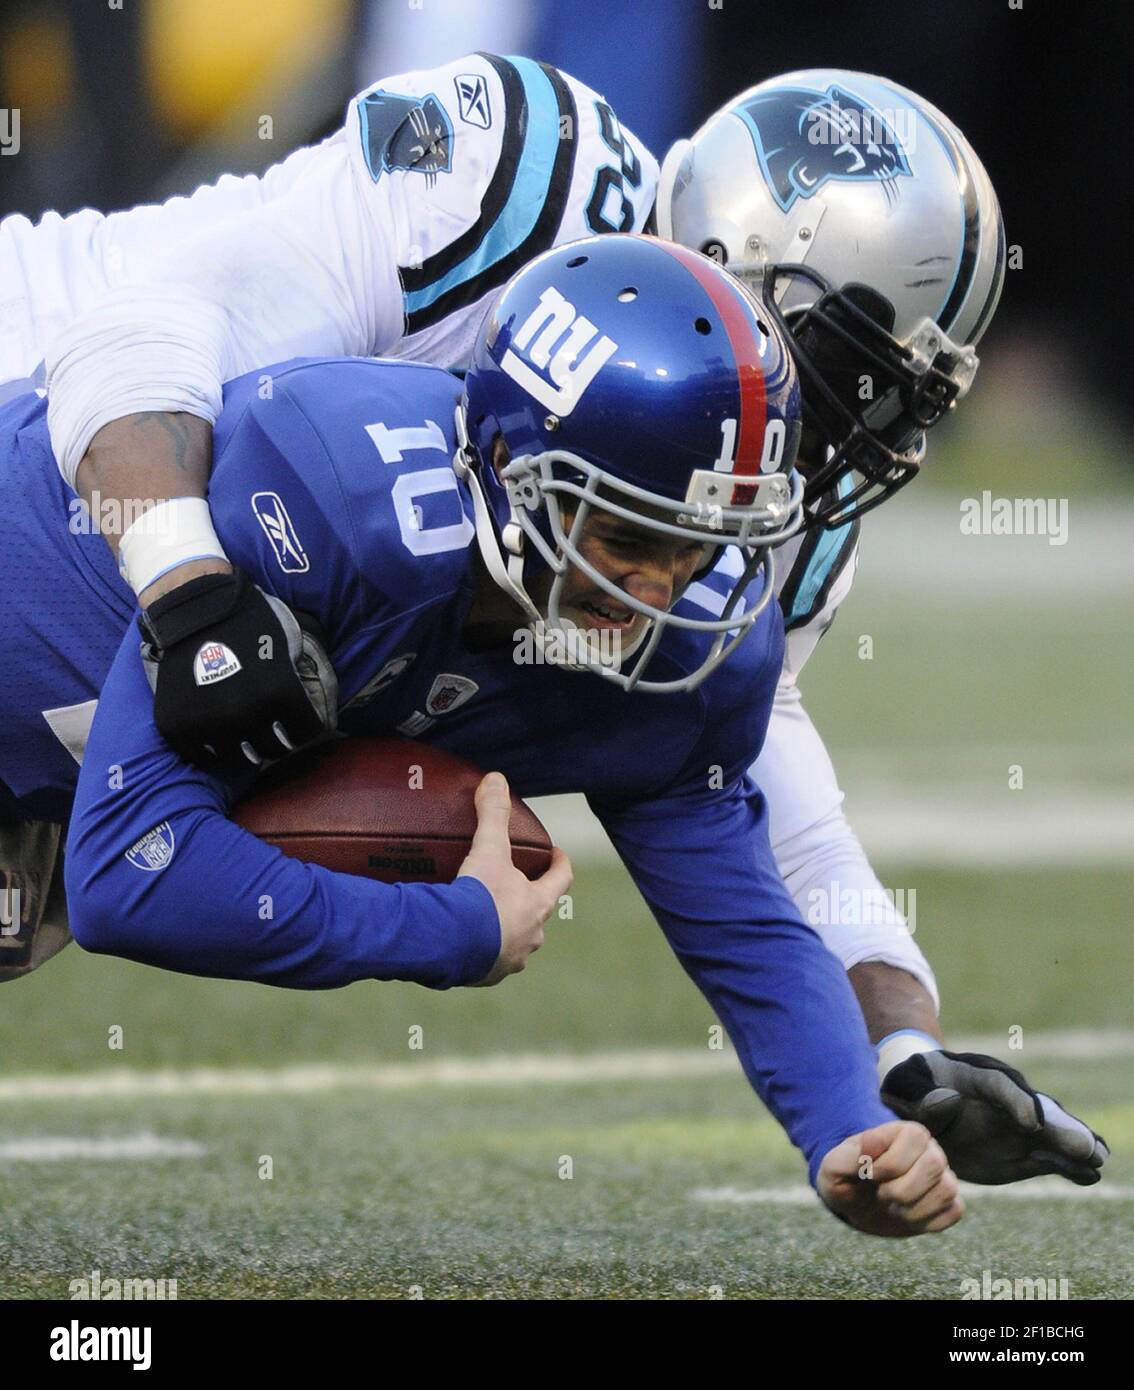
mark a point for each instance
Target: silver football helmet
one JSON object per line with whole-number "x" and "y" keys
{"x": 864, "y": 220}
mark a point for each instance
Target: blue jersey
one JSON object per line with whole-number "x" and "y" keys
{"x": 332, "y": 486}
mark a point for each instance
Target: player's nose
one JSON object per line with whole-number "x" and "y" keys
{"x": 652, "y": 580}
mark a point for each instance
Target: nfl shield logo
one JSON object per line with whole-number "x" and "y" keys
{"x": 214, "y": 662}
{"x": 449, "y": 691}
{"x": 154, "y": 850}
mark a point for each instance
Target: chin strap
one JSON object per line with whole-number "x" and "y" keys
{"x": 508, "y": 575}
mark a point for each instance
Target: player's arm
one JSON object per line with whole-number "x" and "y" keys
{"x": 172, "y": 453}
{"x": 155, "y": 870}
{"x": 157, "y": 874}
{"x": 135, "y": 387}
{"x": 314, "y": 265}
{"x": 993, "y": 1126}
{"x": 701, "y": 860}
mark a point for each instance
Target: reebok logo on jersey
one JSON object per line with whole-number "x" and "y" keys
{"x": 472, "y": 99}
{"x": 214, "y": 662}
{"x": 280, "y": 531}
{"x": 554, "y": 321}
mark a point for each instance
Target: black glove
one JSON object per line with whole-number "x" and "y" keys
{"x": 993, "y": 1127}
{"x": 237, "y": 677}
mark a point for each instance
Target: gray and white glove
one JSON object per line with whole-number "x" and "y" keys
{"x": 993, "y": 1126}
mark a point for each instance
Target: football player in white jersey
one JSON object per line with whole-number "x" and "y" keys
{"x": 862, "y": 218}
{"x": 387, "y": 239}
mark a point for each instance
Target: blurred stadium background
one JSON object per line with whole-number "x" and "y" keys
{"x": 442, "y": 1167}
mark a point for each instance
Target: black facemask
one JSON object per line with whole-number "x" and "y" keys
{"x": 844, "y": 337}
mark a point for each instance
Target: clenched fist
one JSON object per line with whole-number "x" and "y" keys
{"x": 893, "y": 1180}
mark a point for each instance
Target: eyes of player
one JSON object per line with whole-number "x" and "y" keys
{"x": 631, "y": 545}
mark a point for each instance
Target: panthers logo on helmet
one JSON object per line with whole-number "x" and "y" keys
{"x": 804, "y": 139}
{"x": 408, "y": 133}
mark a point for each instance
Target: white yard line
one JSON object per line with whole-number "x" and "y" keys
{"x": 1032, "y": 1190}
{"x": 523, "y": 1069}
{"x": 47, "y": 1149}
{"x": 944, "y": 824}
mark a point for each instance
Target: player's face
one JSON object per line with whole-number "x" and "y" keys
{"x": 649, "y": 566}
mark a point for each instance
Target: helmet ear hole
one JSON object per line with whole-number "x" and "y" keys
{"x": 703, "y": 326}
{"x": 576, "y": 261}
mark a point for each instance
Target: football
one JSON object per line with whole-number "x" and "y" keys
{"x": 384, "y": 808}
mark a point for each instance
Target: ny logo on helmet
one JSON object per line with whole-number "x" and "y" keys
{"x": 570, "y": 375}
{"x": 804, "y": 139}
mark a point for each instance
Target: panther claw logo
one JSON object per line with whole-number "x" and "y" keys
{"x": 408, "y": 133}
{"x": 804, "y": 139}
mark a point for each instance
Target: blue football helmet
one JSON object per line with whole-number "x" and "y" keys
{"x": 631, "y": 376}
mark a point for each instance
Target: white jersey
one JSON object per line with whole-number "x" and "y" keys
{"x": 388, "y": 238}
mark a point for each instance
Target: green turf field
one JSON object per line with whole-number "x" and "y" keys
{"x": 454, "y": 1186}
{"x": 453, "y": 1182}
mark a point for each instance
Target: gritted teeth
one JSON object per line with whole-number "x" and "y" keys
{"x": 614, "y": 615}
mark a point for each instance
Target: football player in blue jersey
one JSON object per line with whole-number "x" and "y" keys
{"x": 885, "y": 248}
{"x": 619, "y": 460}
{"x": 867, "y": 226}
{"x": 389, "y": 238}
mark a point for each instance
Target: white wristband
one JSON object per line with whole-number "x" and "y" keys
{"x": 165, "y": 536}
{"x": 906, "y": 1042}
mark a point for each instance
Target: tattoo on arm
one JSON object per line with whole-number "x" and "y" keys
{"x": 174, "y": 425}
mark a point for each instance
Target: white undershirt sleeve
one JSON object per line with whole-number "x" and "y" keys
{"x": 309, "y": 272}
{"x": 823, "y": 864}
{"x": 137, "y": 350}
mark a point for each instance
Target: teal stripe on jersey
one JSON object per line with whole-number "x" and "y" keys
{"x": 529, "y": 192}
{"x": 828, "y": 554}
